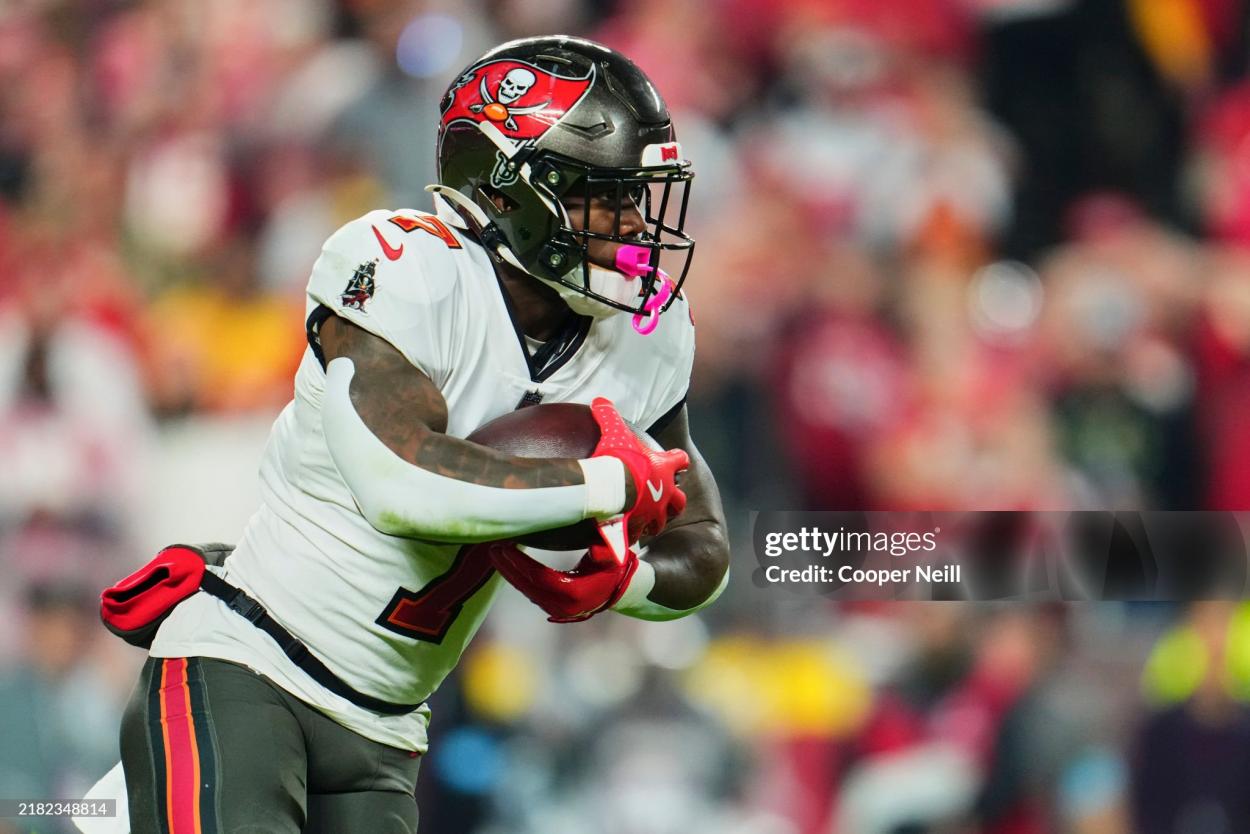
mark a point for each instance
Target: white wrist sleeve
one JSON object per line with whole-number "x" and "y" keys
{"x": 634, "y": 602}
{"x": 605, "y": 486}
{"x": 401, "y": 499}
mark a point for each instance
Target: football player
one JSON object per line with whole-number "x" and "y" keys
{"x": 550, "y": 271}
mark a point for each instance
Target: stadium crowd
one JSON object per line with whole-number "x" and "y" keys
{"x": 953, "y": 254}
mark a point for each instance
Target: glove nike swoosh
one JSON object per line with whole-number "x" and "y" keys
{"x": 656, "y": 491}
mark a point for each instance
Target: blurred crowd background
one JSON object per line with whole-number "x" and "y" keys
{"x": 953, "y": 254}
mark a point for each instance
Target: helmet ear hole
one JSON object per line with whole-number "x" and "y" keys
{"x": 502, "y": 202}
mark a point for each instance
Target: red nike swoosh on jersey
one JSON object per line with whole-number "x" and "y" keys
{"x": 393, "y": 254}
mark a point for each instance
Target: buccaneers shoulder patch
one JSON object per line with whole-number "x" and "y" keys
{"x": 360, "y": 286}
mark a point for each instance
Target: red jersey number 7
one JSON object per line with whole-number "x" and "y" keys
{"x": 432, "y": 225}
{"x": 427, "y": 614}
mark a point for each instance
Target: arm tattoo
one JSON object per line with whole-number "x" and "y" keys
{"x": 407, "y": 412}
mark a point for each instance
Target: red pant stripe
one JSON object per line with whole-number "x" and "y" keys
{"x": 182, "y": 760}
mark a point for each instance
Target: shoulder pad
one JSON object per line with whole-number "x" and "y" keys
{"x": 404, "y": 243}
{"x": 395, "y": 274}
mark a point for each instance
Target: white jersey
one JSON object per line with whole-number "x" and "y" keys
{"x": 390, "y": 615}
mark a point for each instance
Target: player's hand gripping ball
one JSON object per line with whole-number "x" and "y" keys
{"x": 653, "y": 469}
{"x": 568, "y": 596}
{"x": 602, "y": 575}
{"x": 571, "y": 430}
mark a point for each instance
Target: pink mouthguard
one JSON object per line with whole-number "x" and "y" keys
{"x": 634, "y": 262}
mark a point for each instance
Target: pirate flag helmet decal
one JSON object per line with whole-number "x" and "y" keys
{"x": 522, "y": 99}
{"x": 539, "y": 123}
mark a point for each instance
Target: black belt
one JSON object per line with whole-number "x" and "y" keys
{"x": 293, "y": 647}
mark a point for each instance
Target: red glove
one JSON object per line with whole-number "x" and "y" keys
{"x": 654, "y": 472}
{"x": 568, "y": 596}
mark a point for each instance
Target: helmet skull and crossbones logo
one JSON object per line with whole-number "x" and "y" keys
{"x": 498, "y": 108}
{"x": 522, "y": 100}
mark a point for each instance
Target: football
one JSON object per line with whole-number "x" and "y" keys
{"x": 554, "y": 430}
